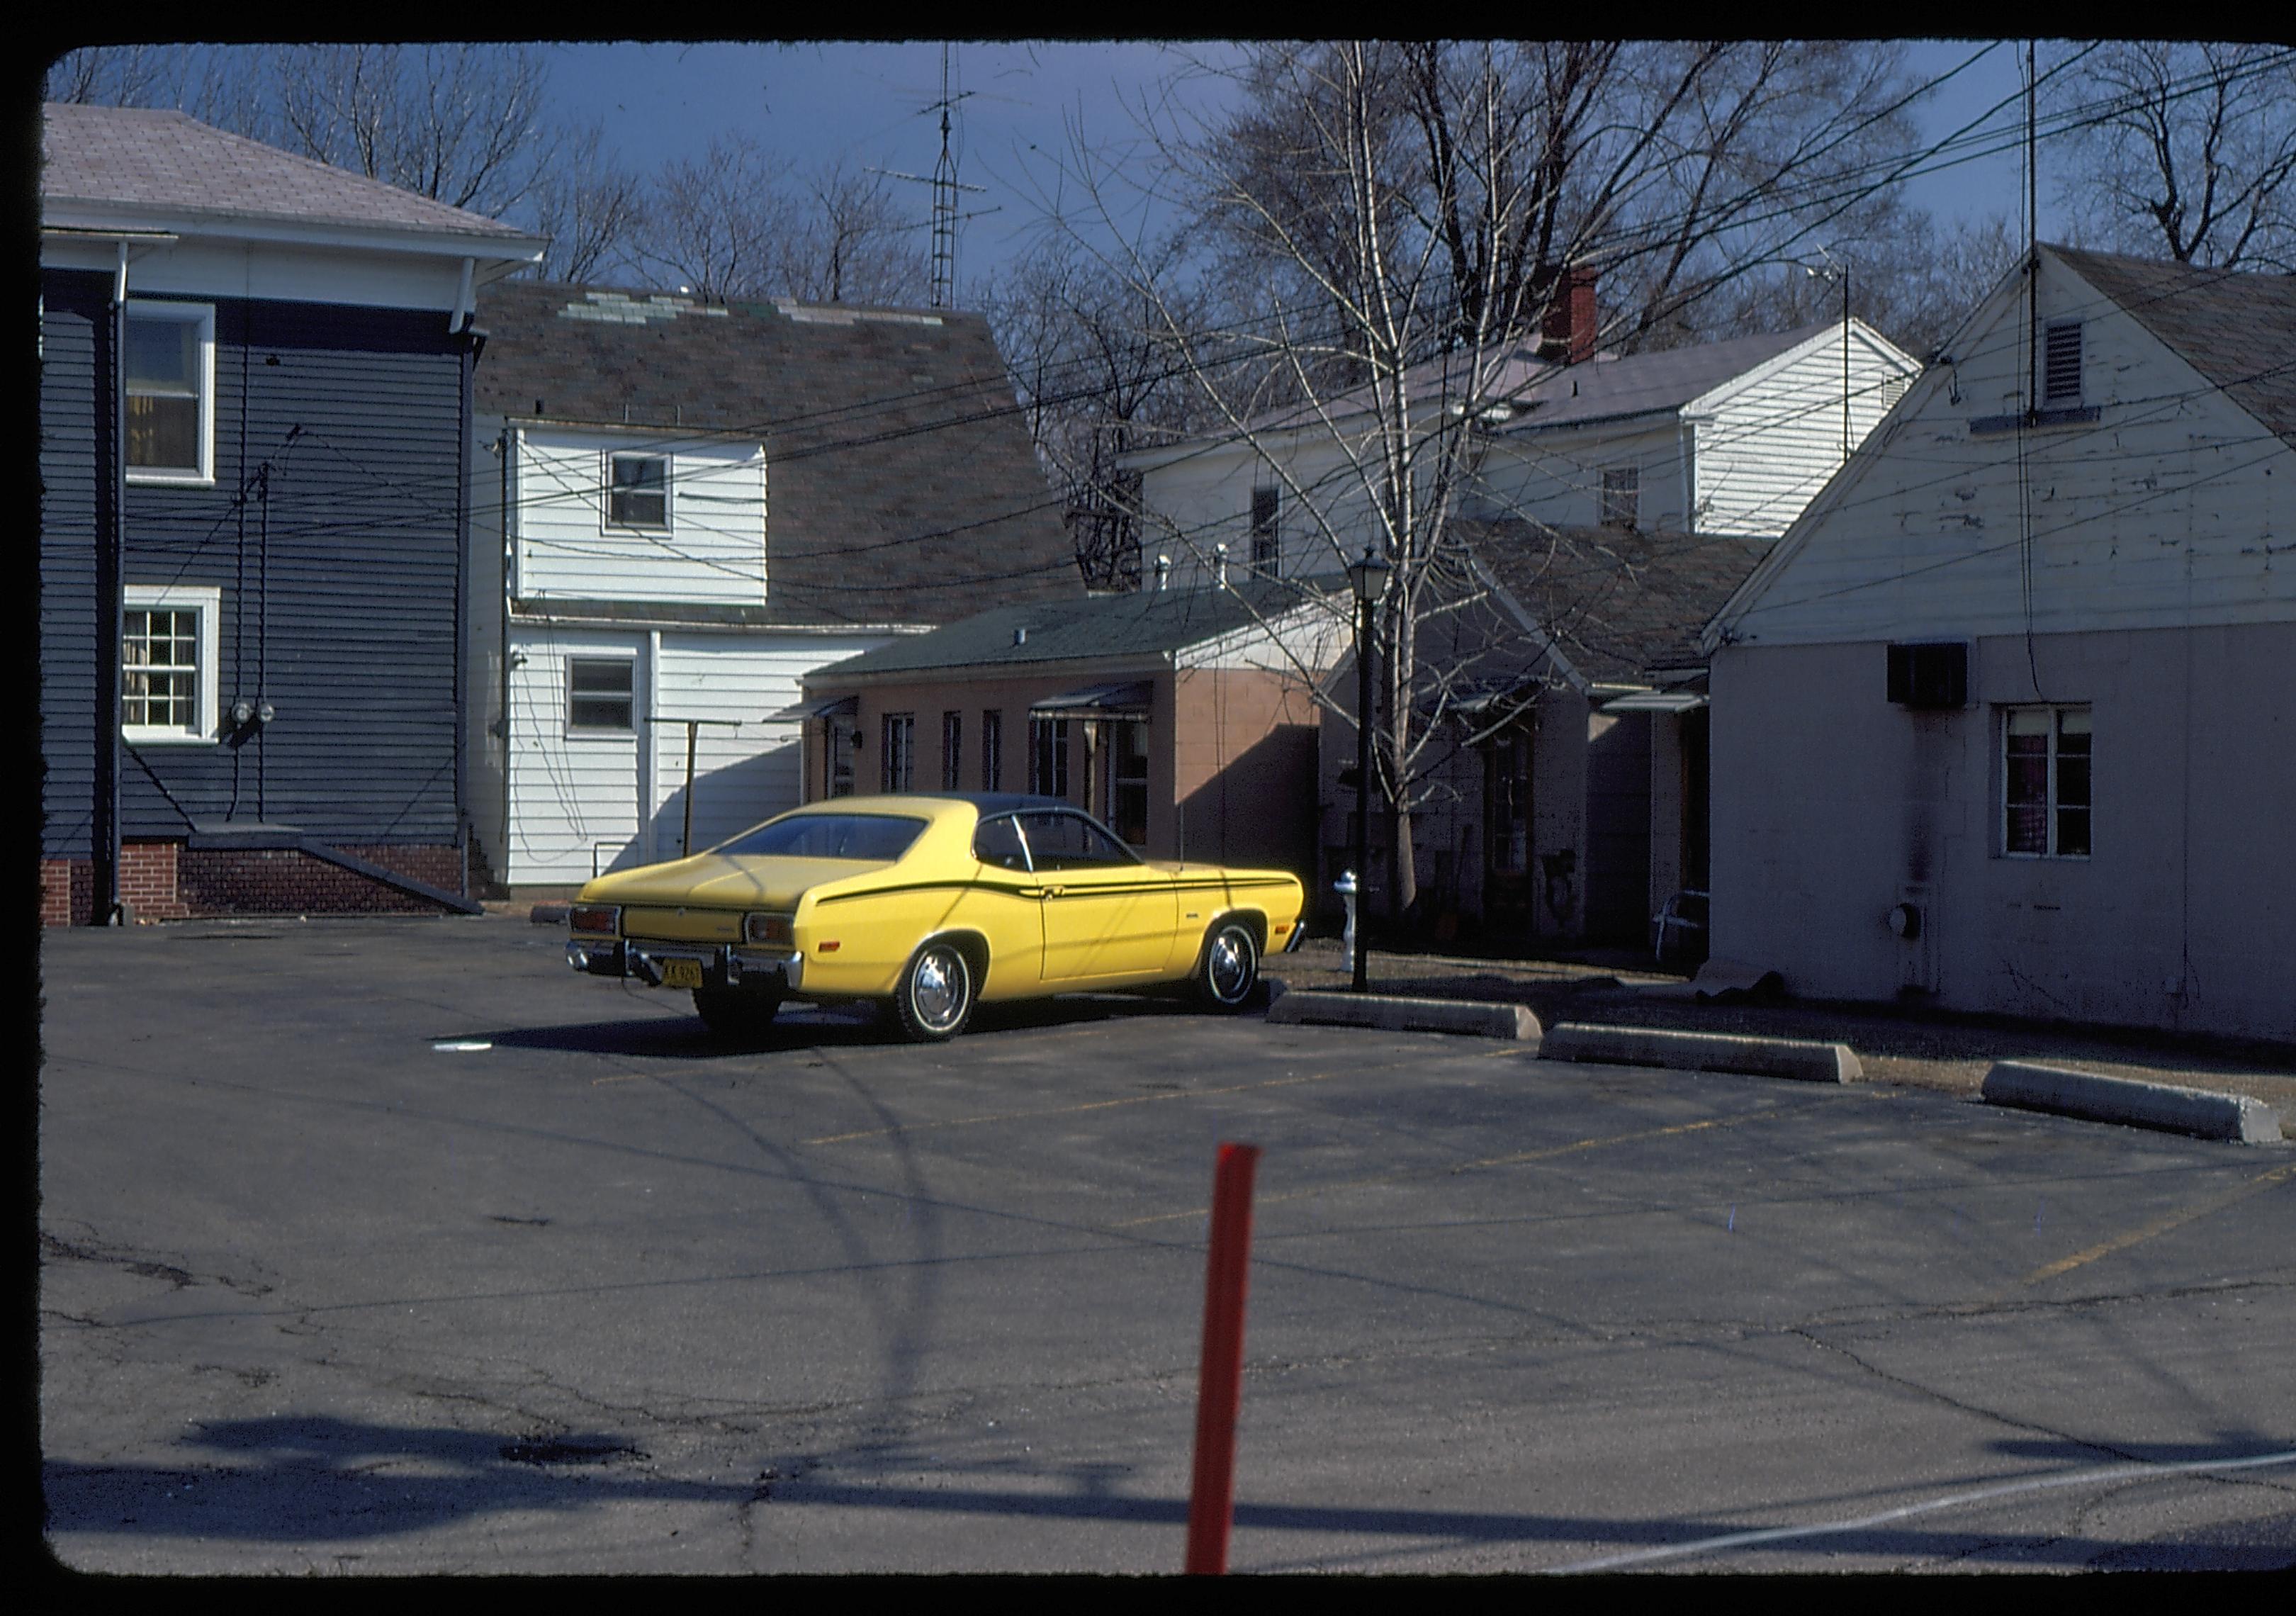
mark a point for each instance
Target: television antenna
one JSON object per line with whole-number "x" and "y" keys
{"x": 945, "y": 186}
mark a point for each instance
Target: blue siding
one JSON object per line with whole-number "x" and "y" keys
{"x": 346, "y": 618}
{"x": 75, "y": 343}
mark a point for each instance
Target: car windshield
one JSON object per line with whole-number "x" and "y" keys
{"x": 877, "y": 836}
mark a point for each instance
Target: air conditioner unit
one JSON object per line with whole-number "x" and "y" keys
{"x": 1933, "y": 675}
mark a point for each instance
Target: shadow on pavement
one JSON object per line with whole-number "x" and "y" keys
{"x": 289, "y": 1479}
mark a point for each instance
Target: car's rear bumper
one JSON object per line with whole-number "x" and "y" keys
{"x": 721, "y": 965}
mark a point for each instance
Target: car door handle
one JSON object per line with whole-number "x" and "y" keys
{"x": 1053, "y": 891}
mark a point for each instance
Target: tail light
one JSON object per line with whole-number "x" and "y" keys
{"x": 766, "y": 928}
{"x": 601, "y": 919}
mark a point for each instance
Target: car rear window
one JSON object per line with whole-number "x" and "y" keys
{"x": 876, "y": 837}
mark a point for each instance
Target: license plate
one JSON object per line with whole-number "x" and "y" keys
{"x": 681, "y": 974}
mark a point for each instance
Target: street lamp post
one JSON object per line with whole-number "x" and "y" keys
{"x": 1368, "y": 578}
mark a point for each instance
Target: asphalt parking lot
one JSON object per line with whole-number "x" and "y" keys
{"x": 394, "y": 1246}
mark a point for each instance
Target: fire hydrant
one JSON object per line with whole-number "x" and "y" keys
{"x": 1345, "y": 886}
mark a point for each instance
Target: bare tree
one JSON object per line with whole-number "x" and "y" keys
{"x": 2193, "y": 155}
{"x": 1097, "y": 379}
{"x": 1383, "y": 231}
{"x": 458, "y": 123}
{"x": 852, "y": 242}
{"x": 590, "y": 207}
{"x": 716, "y": 226}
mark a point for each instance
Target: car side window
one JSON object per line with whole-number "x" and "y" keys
{"x": 1061, "y": 840}
{"x": 997, "y": 842}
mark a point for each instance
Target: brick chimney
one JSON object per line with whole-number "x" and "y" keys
{"x": 1566, "y": 334}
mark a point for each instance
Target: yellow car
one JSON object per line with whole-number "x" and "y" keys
{"x": 933, "y": 904}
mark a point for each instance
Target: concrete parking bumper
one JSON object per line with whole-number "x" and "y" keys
{"x": 1473, "y": 1018}
{"x": 2132, "y": 1102}
{"x": 1806, "y": 1059}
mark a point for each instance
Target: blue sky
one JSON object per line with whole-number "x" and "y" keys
{"x": 869, "y": 103}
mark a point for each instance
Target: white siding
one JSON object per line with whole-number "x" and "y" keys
{"x": 573, "y": 797}
{"x": 715, "y": 550}
{"x": 1556, "y": 477}
{"x": 581, "y": 801}
{"x": 741, "y": 775}
{"x": 2172, "y": 508}
{"x": 1765, "y": 447}
{"x": 1204, "y": 499}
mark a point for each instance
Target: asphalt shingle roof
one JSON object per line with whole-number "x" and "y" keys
{"x": 1144, "y": 623}
{"x": 1619, "y": 603}
{"x": 152, "y": 158}
{"x": 2236, "y": 328}
{"x": 901, "y": 486}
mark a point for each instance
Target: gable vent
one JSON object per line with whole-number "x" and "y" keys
{"x": 2061, "y": 373}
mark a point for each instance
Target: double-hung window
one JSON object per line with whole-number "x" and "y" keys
{"x": 1267, "y": 533}
{"x": 992, "y": 750}
{"x": 898, "y": 761}
{"x": 637, "y": 490}
{"x": 1048, "y": 757}
{"x": 1621, "y": 496}
{"x": 2045, "y": 756}
{"x": 170, "y": 384}
{"x": 168, "y": 664}
{"x": 951, "y": 751}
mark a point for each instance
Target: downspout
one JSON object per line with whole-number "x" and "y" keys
{"x": 103, "y": 850}
{"x": 1685, "y": 436}
{"x": 460, "y": 320}
{"x": 505, "y": 582}
{"x": 465, "y": 361}
{"x": 650, "y": 750}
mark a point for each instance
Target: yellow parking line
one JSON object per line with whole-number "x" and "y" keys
{"x": 2159, "y": 1226}
{"x": 1536, "y": 1155}
{"x": 1064, "y": 1111}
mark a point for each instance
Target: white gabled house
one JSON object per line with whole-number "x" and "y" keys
{"x": 1730, "y": 438}
{"x": 2007, "y": 721}
{"x": 705, "y": 503}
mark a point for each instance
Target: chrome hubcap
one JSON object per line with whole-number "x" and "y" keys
{"x": 1231, "y": 963}
{"x": 939, "y": 989}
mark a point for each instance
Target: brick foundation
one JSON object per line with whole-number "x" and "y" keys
{"x": 67, "y": 891}
{"x": 169, "y": 881}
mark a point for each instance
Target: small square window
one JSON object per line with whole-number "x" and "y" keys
{"x": 168, "y": 664}
{"x": 601, "y": 693}
{"x": 638, "y": 491}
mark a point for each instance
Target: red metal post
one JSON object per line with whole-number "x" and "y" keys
{"x": 1219, "y": 1386}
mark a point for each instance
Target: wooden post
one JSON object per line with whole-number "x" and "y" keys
{"x": 1219, "y": 1386}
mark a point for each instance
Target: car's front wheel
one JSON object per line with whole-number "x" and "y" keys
{"x": 937, "y": 993}
{"x": 736, "y": 1014}
{"x": 1229, "y": 969}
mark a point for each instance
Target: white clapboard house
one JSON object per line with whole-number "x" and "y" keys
{"x": 1732, "y": 439}
{"x": 684, "y": 507}
{"x": 2007, "y": 721}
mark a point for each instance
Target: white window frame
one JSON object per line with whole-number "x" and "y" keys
{"x": 606, "y": 492}
{"x": 2051, "y": 807}
{"x": 602, "y": 731}
{"x": 206, "y": 704}
{"x": 202, "y": 314}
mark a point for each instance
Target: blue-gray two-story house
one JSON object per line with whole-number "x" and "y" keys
{"x": 255, "y": 483}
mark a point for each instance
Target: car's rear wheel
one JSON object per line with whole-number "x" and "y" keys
{"x": 736, "y": 1014}
{"x": 937, "y": 993}
{"x": 1229, "y": 969}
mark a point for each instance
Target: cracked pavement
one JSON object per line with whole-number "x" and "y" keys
{"x": 321, "y": 1292}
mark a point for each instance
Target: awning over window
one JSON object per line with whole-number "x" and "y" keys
{"x": 835, "y": 706}
{"x": 1657, "y": 701}
{"x": 1130, "y": 701}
